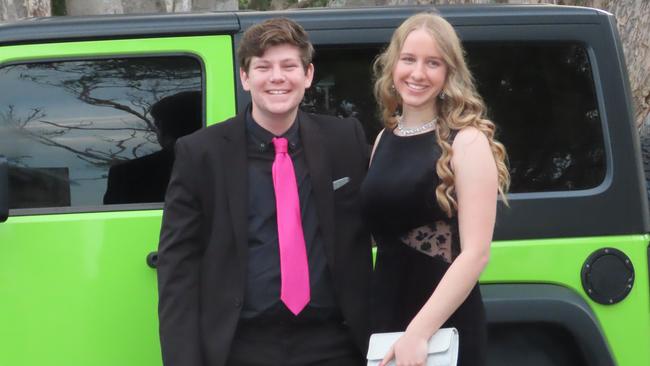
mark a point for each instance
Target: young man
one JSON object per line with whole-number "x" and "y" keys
{"x": 263, "y": 259}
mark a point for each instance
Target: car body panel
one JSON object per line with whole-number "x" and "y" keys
{"x": 80, "y": 288}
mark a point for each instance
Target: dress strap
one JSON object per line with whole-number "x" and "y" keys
{"x": 377, "y": 141}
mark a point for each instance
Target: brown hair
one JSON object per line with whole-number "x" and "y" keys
{"x": 461, "y": 107}
{"x": 273, "y": 32}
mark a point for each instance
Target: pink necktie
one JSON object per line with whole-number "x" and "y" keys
{"x": 294, "y": 270}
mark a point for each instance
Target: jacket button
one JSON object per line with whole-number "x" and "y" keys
{"x": 238, "y": 302}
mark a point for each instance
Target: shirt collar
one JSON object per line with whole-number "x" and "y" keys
{"x": 263, "y": 139}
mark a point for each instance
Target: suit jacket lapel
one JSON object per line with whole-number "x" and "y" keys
{"x": 320, "y": 173}
{"x": 235, "y": 160}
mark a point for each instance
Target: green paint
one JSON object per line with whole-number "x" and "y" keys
{"x": 75, "y": 289}
{"x": 626, "y": 325}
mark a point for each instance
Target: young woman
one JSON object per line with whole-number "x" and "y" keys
{"x": 431, "y": 192}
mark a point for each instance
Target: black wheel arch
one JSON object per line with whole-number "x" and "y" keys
{"x": 515, "y": 304}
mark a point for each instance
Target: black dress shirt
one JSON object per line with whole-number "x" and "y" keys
{"x": 262, "y": 297}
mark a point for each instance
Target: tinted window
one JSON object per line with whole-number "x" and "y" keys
{"x": 541, "y": 96}
{"x": 342, "y": 86}
{"x": 85, "y": 133}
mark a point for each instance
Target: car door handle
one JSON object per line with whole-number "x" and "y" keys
{"x": 152, "y": 259}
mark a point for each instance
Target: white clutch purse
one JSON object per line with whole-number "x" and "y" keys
{"x": 443, "y": 347}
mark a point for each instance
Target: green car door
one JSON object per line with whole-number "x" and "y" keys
{"x": 75, "y": 119}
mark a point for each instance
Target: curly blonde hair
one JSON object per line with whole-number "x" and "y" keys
{"x": 461, "y": 107}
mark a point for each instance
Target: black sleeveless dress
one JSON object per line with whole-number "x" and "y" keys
{"x": 398, "y": 195}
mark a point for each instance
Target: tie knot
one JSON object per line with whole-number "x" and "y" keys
{"x": 280, "y": 144}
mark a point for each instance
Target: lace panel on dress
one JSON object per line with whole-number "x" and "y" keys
{"x": 432, "y": 239}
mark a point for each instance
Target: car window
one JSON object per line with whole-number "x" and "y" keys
{"x": 540, "y": 95}
{"x": 85, "y": 133}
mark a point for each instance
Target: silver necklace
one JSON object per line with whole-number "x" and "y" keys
{"x": 406, "y": 131}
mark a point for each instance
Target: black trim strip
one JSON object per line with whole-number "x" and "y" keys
{"x": 4, "y": 189}
{"x": 57, "y": 29}
{"x": 60, "y": 29}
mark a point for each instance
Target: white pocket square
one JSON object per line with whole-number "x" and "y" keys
{"x": 340, "y": 182}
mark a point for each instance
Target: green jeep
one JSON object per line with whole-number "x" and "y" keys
{"x": 86, "y": 160}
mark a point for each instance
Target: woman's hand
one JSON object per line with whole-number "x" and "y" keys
{"x": 409, "y": 350}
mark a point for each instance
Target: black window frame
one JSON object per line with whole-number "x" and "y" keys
{"x": 611, "y": 208}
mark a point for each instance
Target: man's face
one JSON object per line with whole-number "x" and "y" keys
{"x": 277, "y": 82}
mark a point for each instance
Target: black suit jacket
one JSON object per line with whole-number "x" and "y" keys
{"x": 203, "y": 242}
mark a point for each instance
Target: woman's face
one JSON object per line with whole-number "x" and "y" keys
{"x": 420, "y": 72}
